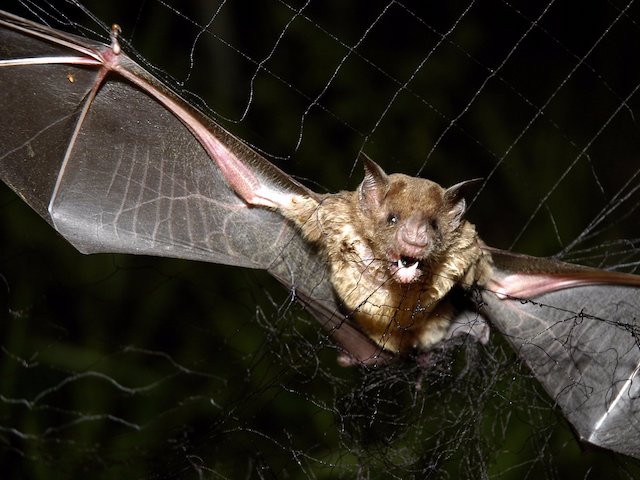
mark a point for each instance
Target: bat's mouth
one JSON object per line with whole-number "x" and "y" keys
{"x": 407, "y": 269}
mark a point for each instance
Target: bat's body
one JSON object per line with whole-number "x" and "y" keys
{"x": 395, "y": 248}
{"x": 375, "y": 266}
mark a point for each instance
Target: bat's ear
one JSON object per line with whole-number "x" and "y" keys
{"x": 455, "y": 201}
{"x": 374, "y": 186}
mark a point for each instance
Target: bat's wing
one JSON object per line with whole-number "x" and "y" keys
{"x": 581, "y": 342}
{"x": 117, "y": 162}
{"x": 111, "y": 167}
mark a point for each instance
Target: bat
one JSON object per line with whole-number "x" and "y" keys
{"x": 381, "y": 268}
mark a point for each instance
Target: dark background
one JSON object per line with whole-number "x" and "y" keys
{"x": 123, "y": 367}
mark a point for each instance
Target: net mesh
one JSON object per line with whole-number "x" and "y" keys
{"x": 131, "y": 367}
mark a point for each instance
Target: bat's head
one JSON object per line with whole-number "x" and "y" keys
{"x": 410, "y": 223}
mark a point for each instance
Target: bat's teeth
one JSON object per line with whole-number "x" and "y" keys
{"x": 406, "y": 273}
{"x": 404, "y": 262}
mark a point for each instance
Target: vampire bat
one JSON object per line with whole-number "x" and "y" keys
{"x": 378, "y": 267}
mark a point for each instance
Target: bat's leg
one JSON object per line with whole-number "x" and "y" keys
{"x": 282, "y": 193}
{"x": 529, "y": 285}
{"x": 242, "y": 179}
{"x": 241, "y": 175}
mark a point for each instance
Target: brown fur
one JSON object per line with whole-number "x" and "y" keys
{"x": 361, "y": 241}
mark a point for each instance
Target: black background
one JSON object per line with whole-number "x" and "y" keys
{"x": 141, "y": 367}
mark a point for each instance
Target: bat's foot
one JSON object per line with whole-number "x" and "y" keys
{"x": 443, "y": 362}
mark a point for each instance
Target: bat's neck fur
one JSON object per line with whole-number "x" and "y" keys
{"x": 397, "y": 316}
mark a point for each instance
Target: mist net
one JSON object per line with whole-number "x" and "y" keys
{"x": 117, "y": 366}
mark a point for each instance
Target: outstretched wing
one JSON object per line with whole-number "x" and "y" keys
{"x": 116, "y": 161}
{"x": 581, "y": 342}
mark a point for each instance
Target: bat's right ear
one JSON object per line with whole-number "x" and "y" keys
{"x": 375, "y": 184}
{"x": 454, "y": 198}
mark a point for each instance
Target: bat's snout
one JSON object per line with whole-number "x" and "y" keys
{"x": 414, "y": 235}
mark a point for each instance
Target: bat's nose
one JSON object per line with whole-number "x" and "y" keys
{"x": 414, "y": 232}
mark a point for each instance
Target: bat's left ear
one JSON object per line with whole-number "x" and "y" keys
{"x": 454, "y": 198}
{"x": 374, "y": 186}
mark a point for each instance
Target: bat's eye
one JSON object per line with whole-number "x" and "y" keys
{"x": 392, "y": 219}
{"x": 434, "y": 224}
